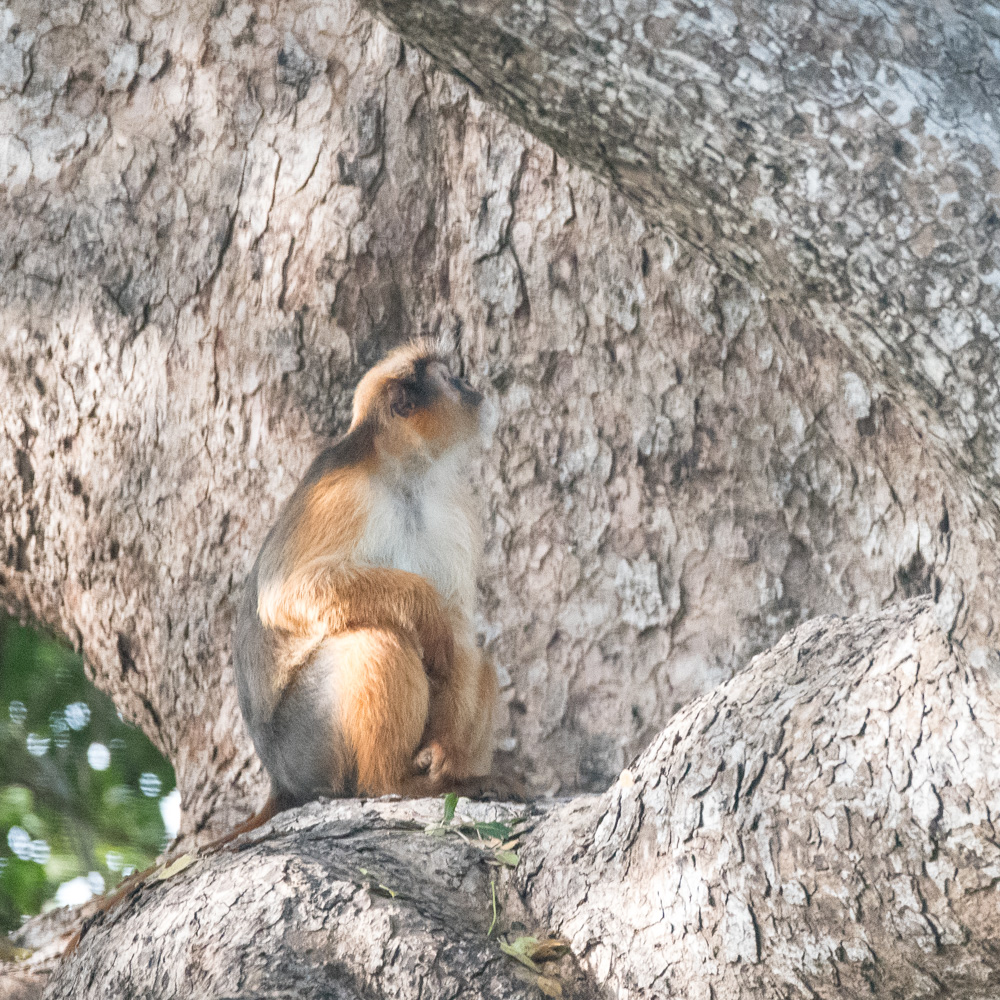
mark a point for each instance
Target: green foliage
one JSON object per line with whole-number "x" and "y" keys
{"x": 80, "y": 789}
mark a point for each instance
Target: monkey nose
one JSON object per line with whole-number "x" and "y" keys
{"x": 469, "y": 396}
{"x": 489, "y": 418}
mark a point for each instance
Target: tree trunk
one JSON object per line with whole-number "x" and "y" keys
{"x": 218, "y": 219}
{"x": 212, "y": 220}
{"x": 841, "y": 156}
{"x": 820, "y": 825}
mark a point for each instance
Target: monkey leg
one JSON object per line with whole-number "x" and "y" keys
{"x": 302, "y": 745}
{"x": 382, "y": 700}
{"x": 458, "y": 741}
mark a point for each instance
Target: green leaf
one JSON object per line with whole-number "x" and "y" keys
{"x": 494, "y": 829}
{"x": 15, "y": 802}
{"x": 450, "y": 803}
{"x": 509, "y": 858}
{"x": 519, "y": 950}
{"x": 83, "y": 818}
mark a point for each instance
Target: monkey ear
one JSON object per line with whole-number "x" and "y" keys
{"x": 401, "y": 400}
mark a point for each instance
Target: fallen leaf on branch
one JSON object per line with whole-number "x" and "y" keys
{"x": 549, "y": 950}
{"x": 175, "y": 867}
{"x": 549, "y": 986}
{"x": 519, "y": 951}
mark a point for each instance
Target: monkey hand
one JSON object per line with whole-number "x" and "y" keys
{"x": 433, "y": 764}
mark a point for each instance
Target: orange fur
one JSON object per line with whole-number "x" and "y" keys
{"x": 384, "y": 698}
{"x": 458, "y": 740}
{"x": 325, "y": 599}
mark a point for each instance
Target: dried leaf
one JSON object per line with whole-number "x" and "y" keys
{"x": 549, "y": 986}
{"x": 391, "y": 893}
{"x": 493, "y": 894}
{"x": 175, "y": 867}
{"x": 549, "y": 950}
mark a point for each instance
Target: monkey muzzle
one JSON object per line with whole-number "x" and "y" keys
{"x": 489, "y": 418}
{"x": 468, "y": 395}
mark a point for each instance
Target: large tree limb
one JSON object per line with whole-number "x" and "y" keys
{"x": 820, "y": 825}
{"x": 223, "y": 214}
{"x": 332, "y": 900}
{"x": 843, "y": 156}
{"x": 214, "y": 223}
{"x": 178, "y": 339}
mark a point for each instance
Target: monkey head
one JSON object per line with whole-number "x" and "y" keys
{"x": 415, "y": 405}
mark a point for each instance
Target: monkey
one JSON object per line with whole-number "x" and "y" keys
{"x": 357, "y": 666}
{"x": 356, "y": 660}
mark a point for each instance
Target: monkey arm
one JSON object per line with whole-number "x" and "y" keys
{"x": 336, "y": 598}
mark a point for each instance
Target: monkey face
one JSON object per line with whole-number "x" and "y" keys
{"x": 459, "y": 393}
{"x": 439, "y": 407}
{"x": 416, "y": 404}
{"x": 466, "y": 395}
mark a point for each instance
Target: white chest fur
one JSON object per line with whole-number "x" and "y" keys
{"x": 426, "y": 523}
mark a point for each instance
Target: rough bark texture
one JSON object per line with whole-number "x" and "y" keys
{"x": 843, "y": 156}
{"x": 213, "y": 219}
{"x": 307, "y": 910}
{"x": 821, "y": 825}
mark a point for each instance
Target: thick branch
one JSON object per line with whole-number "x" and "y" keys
{"x": 841, "y": 156}
{"x": 818, "y": 826}
{"x": 341, "y": 899}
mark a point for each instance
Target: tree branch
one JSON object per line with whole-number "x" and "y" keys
{"x": 843, "y": 157}
{"x": 820, "y": 825}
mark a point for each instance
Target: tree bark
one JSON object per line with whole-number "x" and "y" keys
{"x": 841, "y": 156}
{"x": 219, "y": 218}
{"x": 212, "y": 220}
{"x": 820, "y": 825}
